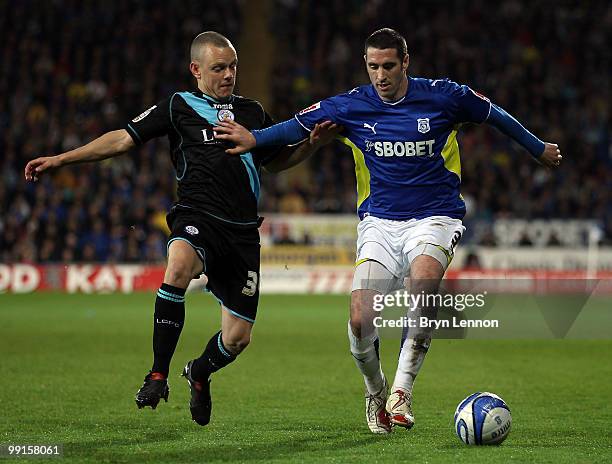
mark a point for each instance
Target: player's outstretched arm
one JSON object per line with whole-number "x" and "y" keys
{"x": 283, "y": 133}
{"x": 551, "y": 156}
{"x": 233, "y": 132}
{"x": 111, "y": 144}
{"x": 547, "y": 154}
{"x": 321, "y": 135}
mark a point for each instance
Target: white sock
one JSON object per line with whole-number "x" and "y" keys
{"x": 367, "y": 360}
{"x": 411, "y": 359}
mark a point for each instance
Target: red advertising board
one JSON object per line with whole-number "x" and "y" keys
{"x": 128, "y": 278}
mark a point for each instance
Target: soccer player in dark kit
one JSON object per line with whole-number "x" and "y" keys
{"x": 214, "y": 223}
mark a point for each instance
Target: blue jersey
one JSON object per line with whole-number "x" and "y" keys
{"x": 406, "y": 152}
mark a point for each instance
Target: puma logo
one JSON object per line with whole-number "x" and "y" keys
{"x": 372, "y": 128}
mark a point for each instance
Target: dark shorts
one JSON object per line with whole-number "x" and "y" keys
{"x": 230, "y": 256}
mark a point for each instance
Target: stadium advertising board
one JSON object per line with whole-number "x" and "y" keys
{"x": 128, "y": 278}
{"x": 340, "y": 230}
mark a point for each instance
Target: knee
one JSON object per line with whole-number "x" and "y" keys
{"x": 425, "y": 275}
{"x": 426, "y": 267}
{"x": 362, "y": 312}
{"x": 236, "y": 344}
{"x": 431, "y": 273}
{"x": 355, "y": 324}
{"x": 355, "y": 320}
{"x": 178, "y": 274}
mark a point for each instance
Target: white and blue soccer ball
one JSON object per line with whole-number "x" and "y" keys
{"x": 482, "y": 418}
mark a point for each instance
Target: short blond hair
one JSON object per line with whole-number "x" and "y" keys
{"x": 208, "y": 38}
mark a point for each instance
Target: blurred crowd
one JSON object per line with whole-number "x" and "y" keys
{"x": 71, "y": 70}
{"x": 548, "y": 66}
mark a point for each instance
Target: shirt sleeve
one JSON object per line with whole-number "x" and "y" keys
{"x": 508, "y": 125}
{"x": 154, "y": 122}
{"x": 263, "y": 155}
{"x": 464, "y": 104}
{"x": 330, "y": 109}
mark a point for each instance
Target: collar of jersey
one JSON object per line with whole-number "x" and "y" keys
{"x": 396, "y": 102}
{"x": 213, "y": 99}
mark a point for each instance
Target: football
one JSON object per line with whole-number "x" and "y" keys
{"x": 482, "y": 418}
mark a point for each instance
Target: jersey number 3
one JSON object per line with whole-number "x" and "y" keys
{"x": 251, "y": 284}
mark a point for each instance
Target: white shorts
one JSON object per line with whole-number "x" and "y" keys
{"x": 395, "y": 244}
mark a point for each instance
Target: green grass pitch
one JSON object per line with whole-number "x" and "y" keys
{"x": 71, "y": 364}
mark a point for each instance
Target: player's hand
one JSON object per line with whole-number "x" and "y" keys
{"x": 551, "y": 156}
{"x": 234, "y": 132}
{"x": 323, "y": 133}
{"x": 39, "y": 165}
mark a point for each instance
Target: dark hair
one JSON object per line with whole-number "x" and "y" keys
{"x": 205, "y": 38}
{"x": 387, "y": 38}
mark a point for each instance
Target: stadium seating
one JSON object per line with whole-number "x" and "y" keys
{"x": 108, "y": 61}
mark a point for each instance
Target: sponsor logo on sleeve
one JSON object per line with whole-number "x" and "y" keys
{"x": 144, "y": 115}
{"x": 479, "y": 95}
{"x": 191, "y": 230}
{"x": 314, "y": 107}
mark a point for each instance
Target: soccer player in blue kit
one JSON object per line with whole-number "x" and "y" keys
{"x": 402, "y": 131}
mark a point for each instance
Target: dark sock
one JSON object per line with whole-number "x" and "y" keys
{"x": 167, "y": 325}
{"x": 215, "y": 357}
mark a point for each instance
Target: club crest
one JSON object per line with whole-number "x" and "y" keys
{"x": 423, "y": 125}
{"x": 225, "y": 114}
